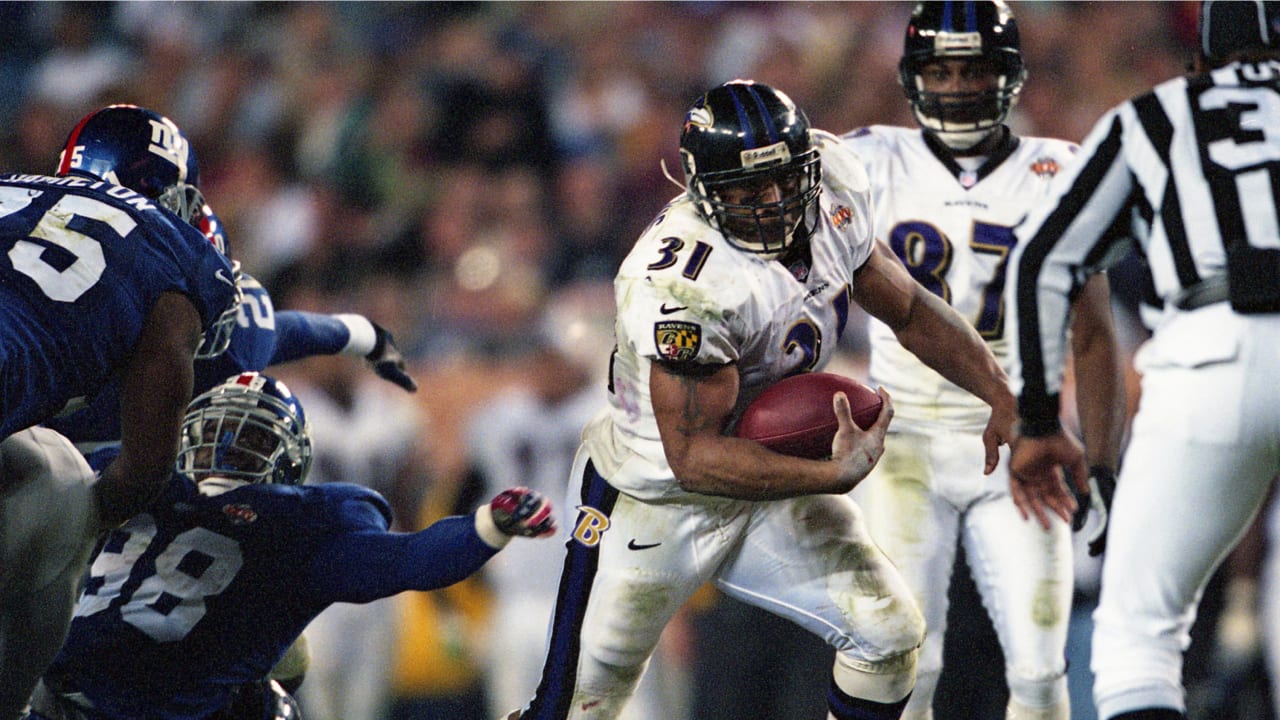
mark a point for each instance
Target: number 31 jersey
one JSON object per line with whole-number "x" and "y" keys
{"x": 953, "y": 230}
{"x": 684, "y": 294}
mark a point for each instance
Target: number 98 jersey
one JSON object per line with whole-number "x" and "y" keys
{"x": 81, "y": 264}
{"x": 952, "y": 228}
{"x": 684, "y": 294}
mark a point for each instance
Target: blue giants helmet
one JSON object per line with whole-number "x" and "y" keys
{"x": 249, "y": 428}
{"x": 139, "y": 149}
{"x": 146, "y": 152}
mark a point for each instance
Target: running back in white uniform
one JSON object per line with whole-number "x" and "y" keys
{"x": 642, "y": 545}
{"x": 685, "y": 292}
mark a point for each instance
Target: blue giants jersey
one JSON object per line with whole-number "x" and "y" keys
{"x": 81, "y": 264}
{"x": 262, "y": 338}
{"x": 205, "y": 592}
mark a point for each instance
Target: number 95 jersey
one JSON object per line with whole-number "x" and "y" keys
{"x": 953, "y": 230}
{"x": 685, "y": 294}
{"x": 81, "y": 264}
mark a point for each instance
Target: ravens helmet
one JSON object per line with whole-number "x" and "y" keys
{"x": 751, "y": 166}
{"x": 944, "y": 30}
{"x": 249, "y": 428}
{"x": 139, "y": 149}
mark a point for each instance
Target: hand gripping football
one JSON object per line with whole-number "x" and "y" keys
{"x": 794, "y": 415}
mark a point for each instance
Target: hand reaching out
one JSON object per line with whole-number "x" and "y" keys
{"x": 1036, "y": 476}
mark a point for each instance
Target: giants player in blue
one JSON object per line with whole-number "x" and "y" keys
{"x": 112, "y": 143}
{"x": 184, "y": 603}
{"x": 98, "y": 283}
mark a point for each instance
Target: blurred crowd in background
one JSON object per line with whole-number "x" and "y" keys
{"x": 469, "y": 175}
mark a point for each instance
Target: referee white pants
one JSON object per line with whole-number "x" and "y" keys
{"x": 1205, "y": 447}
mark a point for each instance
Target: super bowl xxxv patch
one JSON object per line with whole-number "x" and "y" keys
{"x": 677, "y": 340}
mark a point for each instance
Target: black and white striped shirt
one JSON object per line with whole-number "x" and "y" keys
{"x": 1193, "y": 167}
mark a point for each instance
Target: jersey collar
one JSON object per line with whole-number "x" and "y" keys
{"x": 970, "y": 178}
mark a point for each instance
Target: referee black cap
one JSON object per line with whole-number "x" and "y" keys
{"x": 1231, "y": 26}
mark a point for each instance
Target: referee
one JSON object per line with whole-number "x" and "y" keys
{"x": 1194, "y": 167}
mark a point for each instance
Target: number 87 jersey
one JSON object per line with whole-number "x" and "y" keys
{"x": 81, "y": 264}
{"x": 952, "y": 227}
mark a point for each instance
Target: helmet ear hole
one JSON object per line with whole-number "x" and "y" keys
{"x": 751, "y": 167}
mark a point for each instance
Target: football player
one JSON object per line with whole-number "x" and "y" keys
{"x": 947, "y": 196}
{"x": 746, "y": 277}
{"x": 1193, "y": 165}
{"x": 197, "y": 598}
{"x": 111, "y": 144}
{"x": 97, "y": 281}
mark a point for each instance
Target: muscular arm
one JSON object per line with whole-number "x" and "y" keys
{"x": 1099, "y": 374}
{"x": 692, "y": 407}
{"x": 934, "y": 332}
{"x": 155, "y": 390}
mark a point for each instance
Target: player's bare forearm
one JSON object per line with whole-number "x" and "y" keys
{"x": 1099, "y": 374}
{"x": 692, "y": 410}
{"x": 155, "y": 390}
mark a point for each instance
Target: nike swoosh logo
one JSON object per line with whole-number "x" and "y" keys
{"x": 222, "y": 275}
{"x": 633, "y": 545}
{"x": 668, "y": 310}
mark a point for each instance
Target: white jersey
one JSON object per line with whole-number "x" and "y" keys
{"x": 953, "y": 230}
{"x": 685, "y": 294}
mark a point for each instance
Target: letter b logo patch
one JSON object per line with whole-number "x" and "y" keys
{"x": 590, "y": 526}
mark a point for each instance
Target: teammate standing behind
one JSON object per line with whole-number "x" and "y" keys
{"x": 96, "y": 281}
{"x": 202, "y": 593}
{"x": 947, "y": 197}
{"x": 745, "y": 278}
{"x": 1195, "y": 162}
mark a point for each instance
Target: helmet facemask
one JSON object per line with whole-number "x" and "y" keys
{"x": 762, "y": 211}
{"x": 217, "y": 338}
{"x": 183, "y": 200}
{"x": 246, "y": 433}
{"x": 963, "y": 119}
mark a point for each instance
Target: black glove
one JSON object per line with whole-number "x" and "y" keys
{"x": 1102, "y": 488}
{"x": 386, "y": 360}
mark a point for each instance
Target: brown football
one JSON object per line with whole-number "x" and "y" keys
{"x": 794, "y": 415}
